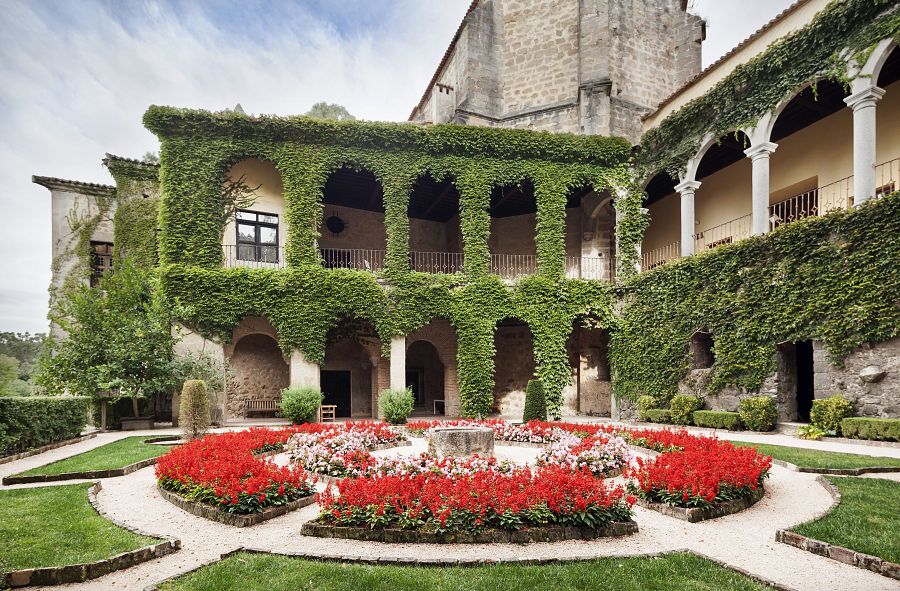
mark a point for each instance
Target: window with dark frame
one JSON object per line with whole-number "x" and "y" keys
{"x": 257, "y": 236}
{"x": 101, "y": 260}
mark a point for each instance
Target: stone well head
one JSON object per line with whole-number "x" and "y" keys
{"x": 461, "y": 442}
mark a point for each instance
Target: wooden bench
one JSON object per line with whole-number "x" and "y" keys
{"x": 327, "y": 413}
{"x": 262, "y": 406}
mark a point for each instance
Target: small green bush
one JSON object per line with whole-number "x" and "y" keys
{"x": 301, "y": 405}
{"x": 396, "y": 405}
{"x": 645, "y": 403}
{"x": 876, "y": 429}
{"x": 717, "y": 419}
{"x": 758, "y": 413}
{"x": 535, "y": 402}
{"x": 682, "y": 408}
{"x": 827, "y": 413}
{"x": 810, "y": 432}
{"x": 194, "y": 409}
{"x": 26, "y": 423}
{"x": 659, "y": 415}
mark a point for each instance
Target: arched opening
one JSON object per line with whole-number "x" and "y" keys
{"x": 590, "y": 392}
{"x": 425, "y": 377}
{"x": 513, "y": 366}
{"x": 435, "y": 237}
{"x": 352, "y": 234}
{"x": 722, "y": 204}
{"x": 255, "y": 232}
{"x": 590, "y": 234}
{"x": 701, "y": 350}
{"x": 513, "y": 211}
{"x": 259, "y": 374}
{"x": 354, "y": 371}
{"x": 887, "y": 149}
{"x": 661, "y": 240}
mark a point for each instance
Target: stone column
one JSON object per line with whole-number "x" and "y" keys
{"x": 687, "y": 189}
{"x": 304, "y": 373}
{"x": 759, "y": 155}
{"x": 863, "y": 105}
{"x": 398, "y": 363}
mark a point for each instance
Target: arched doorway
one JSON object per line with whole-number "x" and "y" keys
{"x": 425, "y": 377}
{"x": 259, "y": 372}
{"x": 349, "y": 377}
{"x": 591, "y": 390}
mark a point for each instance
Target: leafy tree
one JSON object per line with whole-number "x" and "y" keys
{"x": 323, "y": 110}
{"x": 24, "y": 347}
{"x": 150, "y": 158}
{"x": 118, "y": 339}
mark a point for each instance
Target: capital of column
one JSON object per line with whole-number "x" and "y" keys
{"x": 687, "y": 187}
{"x": 866, "y": 97}
{"x": 762, "y": 150}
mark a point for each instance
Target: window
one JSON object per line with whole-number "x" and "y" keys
{"x": 101, "y": 260}
{"x": 257, "y": 236}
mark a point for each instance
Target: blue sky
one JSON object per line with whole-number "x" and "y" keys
{"x": 76, "y": 76}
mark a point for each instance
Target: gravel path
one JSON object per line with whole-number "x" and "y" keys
{"x": 745, "y": 540}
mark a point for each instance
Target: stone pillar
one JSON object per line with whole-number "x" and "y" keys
{"x": 398, "y": 363}
{"x": 759, "y": 155}
{"x": 863, "y": 105}
{"x": 687, "y": 189}
{"x": 304, "y": 373}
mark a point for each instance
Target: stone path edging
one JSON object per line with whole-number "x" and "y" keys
{"x": 695, "y": 514}
{"x": 838, "y": 553}
{"x": 79, "y": 573}
{"x": 235, "y": 519}
{"x": 43, "y": 448}
{"x": 90, "y": 474}
{"x": 838, "y": 471}
{"x": 868, "y": 442}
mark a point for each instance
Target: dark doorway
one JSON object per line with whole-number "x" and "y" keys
{"x": 805, "y": 390}
{"x": 336, "y": 387}
{"x": 414, "y": 381}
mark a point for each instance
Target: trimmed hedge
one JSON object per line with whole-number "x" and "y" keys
{"x": 878, "y": 429}
{"x": 758, "y": 413}
{"x": 718, "y": 419}
{"x": 659, "y": 415}
{"x": 682, "y": 407}
{"x": 33, "y": 421}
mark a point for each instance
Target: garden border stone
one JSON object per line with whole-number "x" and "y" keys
{"x": 234, "y": 519}
{"x": 839, "y": 553}
{"x": 837, "y": 471}
{"x": 79, "y": 573}
{"x": 695, "y": 514}
{"x": 523, "y": 536}
{"x": 43, "y": 448}
{"x": 92, "y": 474}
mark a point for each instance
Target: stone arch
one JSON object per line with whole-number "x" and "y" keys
{"x": 353, "y": 370}
{"x": 885, "y": 72}
{"x": 439, "y": 334}
{"x": 590, "y": 391}
{"x": 256, "y": 236}
{"x": 590, "y": 233}
{"x": 258, "y": 367}
{"x": 512, "y": 240}
{"x": 701, "y": 349}
{"x": 514, "y": 365}
{"x": 435, "y": 231}
{"x": 870, "y": 71}
{"x": 352, "y": 232}
{"x": 661, "y": 239}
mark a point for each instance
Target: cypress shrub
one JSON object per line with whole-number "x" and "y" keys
{"x": 34, "y": 421}
{"x": 535, "y": 402}
{"x": 194, "y": 417}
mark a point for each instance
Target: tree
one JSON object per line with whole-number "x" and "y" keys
{"x": 150, "y": 158}
{"x": 24, "y": 347}
{"x": 9, "y": 372}
{"x": 323, "y": 110}
{"x": 118, "y": 339}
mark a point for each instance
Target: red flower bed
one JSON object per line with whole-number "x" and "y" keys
{"x": 222, "y": 470}
{"x": 454, "y": 504}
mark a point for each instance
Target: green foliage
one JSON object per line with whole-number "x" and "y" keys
{"x": 396, "y": 405}
{"x": 118, "y": 339}
{"x": 135, "y": 231}
{"x": 644, "y": 404}
{"x": 758, "y": 413}
{"x": 717, "y": 419}
{"x": 759, "y": 85}
{"x": 535, "y": 403}
{"x": 24, "y": 347}
{"x": 682, "y": 407}
{"x": 200, "y": 366}
{"x": 26, "y": 423}
{"x": 194, "y": 411}
{"x": 810, "y": 432}
{"x": 827, "y": 413}
{"x": 323, "y": 110}
{"x": 659, "y": 415}
{"x": 760, "y": 292}
{"x": 875, "y": 429}
{"x": 9, "y": 372}
{"x": 301, "y": 405}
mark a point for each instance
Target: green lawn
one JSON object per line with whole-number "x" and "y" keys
{"x": 867, "y": 520}
{"x": 812, "y": 458}
{"x": 117, "y": 454}
{"x": 55, "y": 526}
{"x": 260, "y": 572}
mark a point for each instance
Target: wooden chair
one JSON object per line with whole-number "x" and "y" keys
{"x": 327, "y": 413}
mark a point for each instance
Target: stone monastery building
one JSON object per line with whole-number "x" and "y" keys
{"x": 574, "y": 199}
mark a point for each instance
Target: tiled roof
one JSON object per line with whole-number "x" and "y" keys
{"x": 74, "y": 186}
{"x": 113, "y": 158}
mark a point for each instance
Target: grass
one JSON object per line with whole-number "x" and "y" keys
{"x": 813, "y": 458}
{"x": 111, "y": 456}
{"x": 261, "y": 572}
{"x": 56, "y": 526}
{"x": 867, "y": 520}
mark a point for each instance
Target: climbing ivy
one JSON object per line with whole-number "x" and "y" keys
{"x": 832, "y": 278}
{"x": 137, "y": 209}
{"x": 756, "y": 87}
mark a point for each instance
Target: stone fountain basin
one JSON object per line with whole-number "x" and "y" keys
{"x": 461, "y": 442}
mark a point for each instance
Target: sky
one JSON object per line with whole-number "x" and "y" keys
{"x": 77, "y": 75}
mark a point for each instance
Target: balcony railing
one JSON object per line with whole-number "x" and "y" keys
{"x": 510, "y": 266}
{"x": 727, "y": 233}
{"x": 589, "y": 268}
{"x": 253, "y": 257}
{"x": 660, "y": 256}
{"x": 352, "y": 258}
{"x": 436, "y": 262}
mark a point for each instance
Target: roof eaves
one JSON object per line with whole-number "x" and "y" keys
{"x": 81, "y": 187}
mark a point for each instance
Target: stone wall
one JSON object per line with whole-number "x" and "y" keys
{"x": 441, "y": 335}
{"x": 364, "y": 229}
{"x": 870, "y": 378}
{"x": 513, "y": 367}
{"x": 259, "y": 373}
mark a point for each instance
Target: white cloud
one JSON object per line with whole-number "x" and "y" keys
{"x": 76, "y": 77}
